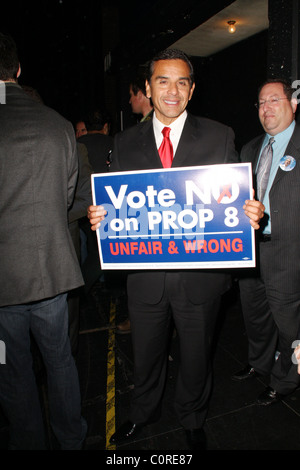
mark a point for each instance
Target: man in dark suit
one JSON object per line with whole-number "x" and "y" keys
{"x": 270, "y": 294}
{"x": 99, "y": 145}
{"x": 38, "y": 176}
{"x": 76, "y": 213}
{"x": 97, "y": 139}
{"x": 193, "y": 295}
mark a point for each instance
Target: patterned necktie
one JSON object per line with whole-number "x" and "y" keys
{"x": 166, "y": 149}
{"x": 263, "y": 170}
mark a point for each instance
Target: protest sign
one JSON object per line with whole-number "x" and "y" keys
{"x": 177, "y": 218}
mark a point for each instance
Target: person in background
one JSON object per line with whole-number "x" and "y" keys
{"x": 270, "y": 293}
{"x": 39, "y": 267}
{"x": 99, "y": 145}
{"x": 76, "y": 213}
{"x": 140, "y": 103}
{"x": 80, "y": 128}
{"x": 192, "y": 296}
{"x": 97, "y": 139}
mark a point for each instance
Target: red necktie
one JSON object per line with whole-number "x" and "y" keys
{"x": 166, "y": 150}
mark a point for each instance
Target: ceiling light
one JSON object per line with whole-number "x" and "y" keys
{"x": 231, "y": 27}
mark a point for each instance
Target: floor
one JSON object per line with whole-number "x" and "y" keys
{"x": 105, "y": 367}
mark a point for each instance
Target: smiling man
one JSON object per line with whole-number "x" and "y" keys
{"x": 276, "y": 107}
{"x": 270, "y": 295}
{"x": 171, "y": 87}
{"x": 192, "y": 296}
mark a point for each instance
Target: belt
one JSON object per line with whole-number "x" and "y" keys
{"x": 265, "y": 238}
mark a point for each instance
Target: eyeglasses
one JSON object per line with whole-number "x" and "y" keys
{"x": 271, "y": 102}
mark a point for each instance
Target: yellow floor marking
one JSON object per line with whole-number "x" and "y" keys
{"x": 110, "y": 385}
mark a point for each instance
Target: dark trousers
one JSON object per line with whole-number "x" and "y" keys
{"x": 272, "y": 321}
{"x": 19, "y": 398}
{"x": 150, "y": 326}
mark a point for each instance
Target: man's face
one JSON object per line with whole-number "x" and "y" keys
{"x": 135, "y": 101}
{"x": 275, "y": 117}
{"x": 170, "y": 89}
{"x": 80, "y": 129}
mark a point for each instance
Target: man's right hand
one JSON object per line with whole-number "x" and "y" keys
{"x": 96, "y": 214}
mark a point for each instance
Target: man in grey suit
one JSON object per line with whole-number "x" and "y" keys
{"x": 38, "y": 176}
{"x": 270, "y": 294}
{"x": 193, "y": 296}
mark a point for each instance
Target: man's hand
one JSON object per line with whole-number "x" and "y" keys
{"x": 255, "y": 210}
{"x": 96, "y": 214}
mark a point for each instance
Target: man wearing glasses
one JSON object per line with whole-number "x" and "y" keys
{"x": 270, "y": 295}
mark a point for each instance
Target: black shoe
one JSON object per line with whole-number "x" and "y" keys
{"x": 247, "y": 373}
{"x": 268, "y": 396}
{"x": 196, "y": 439}
{"x": 127, "y": 431}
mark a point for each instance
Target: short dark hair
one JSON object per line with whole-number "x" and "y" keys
{"x": 171, "y": 54}
{"x": 138, "y": 83}
{"x": 287, "y": 88}
{"x": 9, "y": 60}
{"x": 96, "y": 119}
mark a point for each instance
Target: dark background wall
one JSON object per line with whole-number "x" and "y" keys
{"x": 81, "y": 54}
{"x": 226, "y": 87}
{"x": 60, "y": 49}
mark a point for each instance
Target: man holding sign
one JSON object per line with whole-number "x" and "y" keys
{"x": 173, "y": 138}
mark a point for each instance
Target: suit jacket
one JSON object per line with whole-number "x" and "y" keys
{"x": 38, "y": 176}
{"x": 284, "y": 265}
{"x": 98, "y": 147}
{"x": 203, "y": 142}
{"x": 82, "y": 198}
{"x": 83, "y": 191}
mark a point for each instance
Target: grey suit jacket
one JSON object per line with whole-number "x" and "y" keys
{"x": 284, "y": 265}
{"x": 203, "y": 142}
{"x": 38, "y": 175}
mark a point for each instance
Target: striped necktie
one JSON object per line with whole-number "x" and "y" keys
{"x": 263, "y": 170}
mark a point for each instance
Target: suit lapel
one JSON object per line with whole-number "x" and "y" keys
{"x": 146, "y": 143}
{"x": 293, "y": 149}
{"x": 187, "y": 141}
{"x": 189, "y": 137}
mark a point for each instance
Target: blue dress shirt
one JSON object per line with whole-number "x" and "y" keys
{"x": 279, "y": 146}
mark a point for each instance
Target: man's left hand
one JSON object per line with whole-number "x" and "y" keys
{"x": 255, "y": 210}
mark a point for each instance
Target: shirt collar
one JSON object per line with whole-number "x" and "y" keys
{"x": 175, "y": 133}
{"x": 175, "y": 126}
{"x": 284, "y": 135}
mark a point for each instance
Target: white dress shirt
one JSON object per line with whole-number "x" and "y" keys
{"x": 175, "y": 133}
